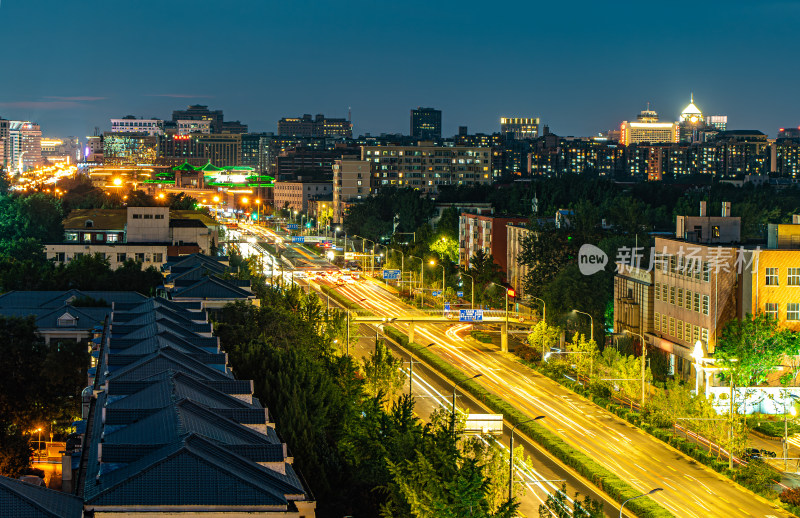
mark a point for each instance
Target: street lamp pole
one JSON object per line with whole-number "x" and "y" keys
{"x": 472, "y": 290}
{"x": 433, "y": 263}
{"x": 511, "y": 456}
{"x": 421, "y": 278}
{"x": 591, "y": 322}
{"x": 656, "y": 490}
{"x": 544, "y": 308}
{"x": 786, "y": 431}
{"x": 411, "y": 367}
{"x": 402, "y": 260}
{"x": 455, "y": 386}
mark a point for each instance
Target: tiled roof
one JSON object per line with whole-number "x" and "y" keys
{"x": 211, "y": 288}
{"x": 54, "y": 299}
{"x": 186, "y": 223}
{"x": 22, "y": 500}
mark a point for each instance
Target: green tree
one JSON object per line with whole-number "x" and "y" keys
{"x": 544, "y": 336}
{"x": 749, "y": 349}
{"x": 557, "y": 504}
{"x": 382, "y": 372}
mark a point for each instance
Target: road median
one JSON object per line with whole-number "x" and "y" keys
{"x": 598, "y": 475}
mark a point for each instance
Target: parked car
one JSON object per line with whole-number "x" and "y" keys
{"x": 758, "y": 453}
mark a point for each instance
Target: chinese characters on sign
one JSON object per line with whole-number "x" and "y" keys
{"x": 688, "y": 260}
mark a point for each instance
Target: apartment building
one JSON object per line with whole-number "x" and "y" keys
{"x": 487, "y": 233}
{"x": 295, "y": 194}
{"x": 426, "y": 167}
{"x": 516, "y": 233}
{"x": 351, "y": 182}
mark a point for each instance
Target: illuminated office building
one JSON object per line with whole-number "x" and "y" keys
{"x": 520, "y": 127}
{"x": 647, "y": 128}
{"x": 719, "y": 122}
{"x": 319, "y": 126}
{"x": 130, "y": 124}
{"x": 426, "y": 123}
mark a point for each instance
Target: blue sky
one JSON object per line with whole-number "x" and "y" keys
{"x": 581, "y": 66}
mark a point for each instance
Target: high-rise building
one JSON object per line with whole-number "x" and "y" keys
{"x": 199, "y": 112}
{"x": 428, "y": 167}
{"x": 319, "y": 126}
{"x": 719, "y": 122}
{"x": 130, "y": 124}
{"x": 24, "y": 145}
{"x": 648, "y": 129}
{"x": 487, "y": 233}
{"x": 520, "y": 127}
{"x": 426, "y": 123}
{"x": 351, "y": 182}
{"x": 3, "y": 141}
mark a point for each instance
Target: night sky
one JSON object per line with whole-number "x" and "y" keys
{"x": 581, "y": 66}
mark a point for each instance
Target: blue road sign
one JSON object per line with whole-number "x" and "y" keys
{"x": 298, "y": 239}
{"x": 292, "y": 226}
{"x": 447, "y": 307}
{"x": 436, "y": 293}
{"x": 460, "y": 293}
{"x": 391, "y": 275}
{"x": 470, "y": 315}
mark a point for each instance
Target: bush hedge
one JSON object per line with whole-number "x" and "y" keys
{"x": 604, "y": 479}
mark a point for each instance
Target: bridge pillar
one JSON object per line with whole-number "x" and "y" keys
{"x": 504, "y": 339}
{"x": 411, "y": 332}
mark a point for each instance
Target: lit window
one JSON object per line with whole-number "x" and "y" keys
{"x": 672, "y": 295}
{"x": 689, "y": 300}
{"x": 793, "y": 311}
{"x": 657, "y": 321}
{"x": 658, "y": 291}
{"x": 671, "y": 326}
{"x": 705, "y": 304}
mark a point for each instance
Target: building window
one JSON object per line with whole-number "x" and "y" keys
{"x": 112, "y": 238}
{"x": 771, "y": 277}
{"x": 705, "y": 304}
{"x": 158, "y": 257}
{"x": 663, "y": 323}
{"x": 704, "y": 335}
{"x": 771, "y": 309}
{"x": 715, "y": 231}
{"x": 664, "y": 292}
{"x": 687, "y": 333}
{"x": 658, "y": 291}
{"x": 139, "y": 257}
{"x": 672, "y": 295}
{"x": 689, "y": 300}
{"x": 680, "y": 297}
{"x": 671, "y": 326}
{"x": 706, "y": 271}
{"x": 679, "y": 334}
{"x": 657, "y": 321}
{"x": 793, "y": 279}
{"x": 72, "y": 236}
{"x": 60, "y": 257}
{"x": 695, "y": 333}
{"x": 87, "y": 238}
{"x": 697, "y": 302}
{"x": 88, "y": 223}
{"x": 793, "y": 311}
{"x": 121, "y": 257}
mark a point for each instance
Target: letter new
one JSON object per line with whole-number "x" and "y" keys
{"x": 591, "y": 259}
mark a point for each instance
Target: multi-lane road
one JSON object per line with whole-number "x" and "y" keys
{"x": 690, "y": 490}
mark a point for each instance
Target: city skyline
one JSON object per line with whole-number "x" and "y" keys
{"x": 351, "y": 57}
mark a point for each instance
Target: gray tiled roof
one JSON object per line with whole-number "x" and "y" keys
{"x": 211, "y": 288}
{"x": 21, "y": 500}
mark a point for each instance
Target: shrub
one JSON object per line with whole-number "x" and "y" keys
{"x": 791, "y": 496}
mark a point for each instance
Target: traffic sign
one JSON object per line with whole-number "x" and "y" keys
{"x": 391, "y": 275}
{"x": 470, "y": 315}
{"x": 436, "y": 293}
{"x": 292, "y": 226}
{"x": 298, "y": 239}
{"x": 460, "y": 293}
{"x": 447, "y": 307}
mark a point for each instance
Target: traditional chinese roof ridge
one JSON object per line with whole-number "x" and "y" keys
{"x": 186, "y": 166}
{"x": 167, "y": 360}
{"x": 212, "y": 287}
